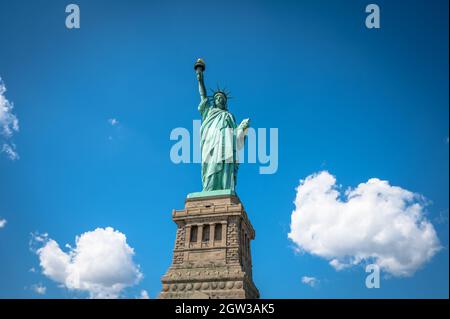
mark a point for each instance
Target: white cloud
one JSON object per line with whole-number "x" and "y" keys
{"x": 144, "y": 295}
{"x": 39, "y": 289}
{"x": 10, "y": 151}
{"x": 113, "y": 121}
{"x": 2, "y": 223}
{"x": 8, "y": 121}
{"x": 442, "y": 218}
{"x": 375, "y": 222}
{"x": 310, "y": 281}
{"x": 9, "y": 124}
{"x": 40, "y": 238}
{"x": 101, "y": 263}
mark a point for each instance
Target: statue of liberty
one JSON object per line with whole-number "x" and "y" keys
{"x": 220, "y": 138}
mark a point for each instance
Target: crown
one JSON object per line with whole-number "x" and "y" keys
{"x": 223, "y": 91}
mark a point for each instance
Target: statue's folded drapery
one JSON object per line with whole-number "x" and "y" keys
{"x": 220, "y": 139}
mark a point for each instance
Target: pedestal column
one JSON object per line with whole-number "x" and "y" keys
{"x": 212, "y": 270}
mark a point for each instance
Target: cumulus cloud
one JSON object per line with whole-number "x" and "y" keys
{"x": 442, "y": 218}
{"x": 2, "y": 223}
{"x": 144, "y": 294}
{"x": 39, "y": 289}
{"x": 9, "y": 124}
{"x": 113, "y": 121}
{"x": 101, "y": 263}
{"x": 10, "y": 151}
{"x": 310, "y": 281}
{"x": 373, "y": 223}
{"x": 8, "y": 121}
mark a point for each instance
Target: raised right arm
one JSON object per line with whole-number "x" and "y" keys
{"x": 203, "y": 107}
{"x": 201, "y": 85}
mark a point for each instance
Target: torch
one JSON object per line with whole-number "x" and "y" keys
{"x": 199, "y": 66}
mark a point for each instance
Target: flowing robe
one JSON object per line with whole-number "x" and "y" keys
{"x": 220, "y": 139}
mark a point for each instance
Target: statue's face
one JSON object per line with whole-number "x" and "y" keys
{"x": 220, "y": 101}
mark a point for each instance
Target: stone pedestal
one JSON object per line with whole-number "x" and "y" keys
{"x": 212, "y": 256}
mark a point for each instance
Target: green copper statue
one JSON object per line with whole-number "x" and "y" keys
{"x": 220, "y": 138}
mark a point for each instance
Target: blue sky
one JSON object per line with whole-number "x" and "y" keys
{"x": 358, "y": 103}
